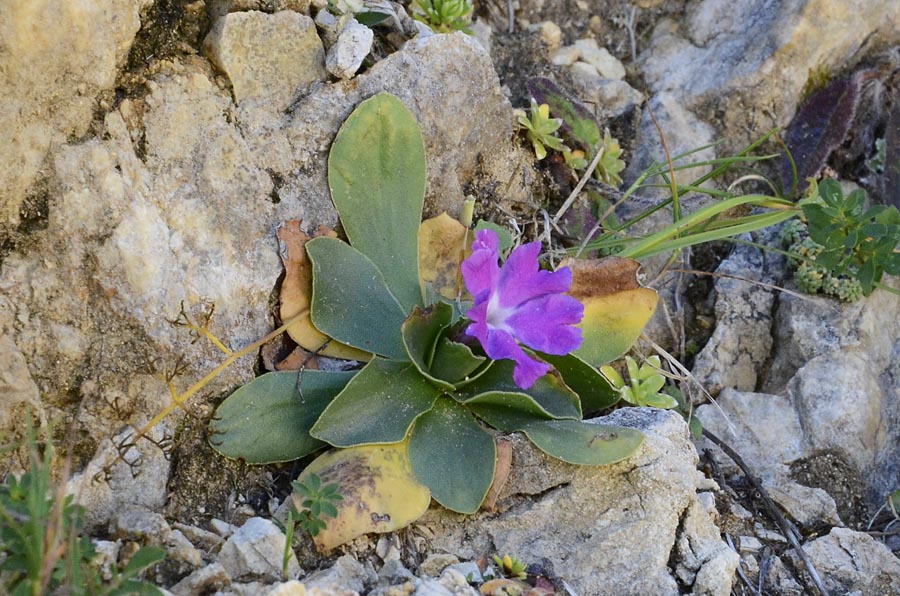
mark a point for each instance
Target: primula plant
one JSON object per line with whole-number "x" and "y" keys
{"x": 458, "y": 345}
{"x": 444, "y": 16}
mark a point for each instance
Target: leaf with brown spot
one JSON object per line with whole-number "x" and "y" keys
{"x": 616, "y": 306}
{"x": 380, "y": 493}
{"x": 296, "y": 291}
{"x": 441, "y": 243}
{"x": 501, "y": 473}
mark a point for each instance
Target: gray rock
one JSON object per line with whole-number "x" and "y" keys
{"x": 353, "y": 44}
{"x": 179, "y": 548}
{"x": 631, "y": 531}
{"x": 291, "y": 588}
{"x": 346, "y": 574}
{"x": 106, "y": 557}
{"x": 435, "y": 563}
{"x": 393, "y": 572}
{"x": 142, "y": 526}
{"x": 742, "y": 340}
{"x": 747, "y": 56}
{"x": 18, "y": 392}
{"x": 469, "y": 570}
{"x": 853, "y": 562}
{"x": 107, "y": 486}
{"x": 269, "y": 58}
{"x": 256, "y": 551}
{"x": 212, "y": 577}
{"x": 57, "y": 59}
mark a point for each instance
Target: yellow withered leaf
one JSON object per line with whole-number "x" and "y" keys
{"x": 616, "y": 306}
{"x": 296, "y": 291}
{"x": 441, "y": 243}
{"x": 380, "y": 493}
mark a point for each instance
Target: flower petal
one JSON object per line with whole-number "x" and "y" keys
{"x": 481, "y": 270}
{"x": 499, "y": 344}
{"x": 546, "y": 324}
{"x": 521, "y": 279}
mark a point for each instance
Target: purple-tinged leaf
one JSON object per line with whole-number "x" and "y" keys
{"x": 890, "y": 194}
{"x": 578, "y": 121}
{"x": 819, "y": 127}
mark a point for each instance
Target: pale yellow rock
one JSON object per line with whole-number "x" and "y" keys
{"x": 269, "y": 58}
{"x": 57, "y": 56}
{"x": 291, "y": 588}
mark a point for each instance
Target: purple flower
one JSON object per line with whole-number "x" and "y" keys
{"x": 520, "y": 303}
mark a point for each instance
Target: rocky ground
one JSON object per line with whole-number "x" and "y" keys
{"x": 152, "y": 147}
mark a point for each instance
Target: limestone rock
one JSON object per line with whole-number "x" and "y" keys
{"x": 611, "y": 529}
{"x": 353, "y": 44}
{"x": 742, "y": 340}
{"x": 57, "y": 58}
{"x": 752, "y": 58}
{"x": 852, "y": 562}
{"x": 211, "y": 577}
{"x": 346, "y": 574}
{"x": 141, "y": 525}
{"x": 256, "y": 551}
{"x": 269, "y": 59}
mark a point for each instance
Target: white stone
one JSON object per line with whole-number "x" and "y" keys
{"x": 565, "y": 56}
{"x": 256, "y": 550}
{"x": 352, "y": 46}
{"x": 606, "y": 64}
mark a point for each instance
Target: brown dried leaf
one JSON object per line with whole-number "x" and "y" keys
{"x": 501, "y": 473}
{"x": 298, "y": 359}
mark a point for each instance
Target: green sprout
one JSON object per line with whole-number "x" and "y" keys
{"x": 610, "y": 165}
{"x": 318, "y": 503}
{"x": 510, "y": 567}
{"x": 644, "y": 384}
{"x": 42, "y": 547}
{"x": 444, "y": 16}
{"x": 541, "y": 129}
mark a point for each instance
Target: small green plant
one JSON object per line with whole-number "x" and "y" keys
{"x": 644, "y": 384}
{"x": 610, "y": 165}
{"x": 854, "y": 240}
{"x": 510, "y": 567}
{"x": 540, "y": 129}
{"x": 444, "y": 16}
{"x": 42, "y": 549}
{"x": 318, "y": 502}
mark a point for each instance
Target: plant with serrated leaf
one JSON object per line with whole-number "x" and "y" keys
{"x": 458, "y": 345}
{"x": 582, "y": 130}
{"x": 857, "y": 240}
{"x": 644, "y": 383}
{"x": 42, "y": 548}
{"x": 540, "y": 129}
{"x": 444, "y": 16}
{"x": 317, "y": 502}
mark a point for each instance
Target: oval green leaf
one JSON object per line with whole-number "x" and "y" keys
{"x": 351, "y": 301}
{"x": 549, "y": 391}
{"x": 453, "y": 456}
{"x": 421, "y": 332}
{"x": 376, "y": 173}
{"x": 267, "y": 421}
{"x": 583, "y": 443}
{"x": 377, "y": 406}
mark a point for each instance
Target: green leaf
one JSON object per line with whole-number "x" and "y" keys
{"x": 595, "y": 392}
{"x": 376, "y": 173}
{"x": 582, "y": 443}
{"x": 351, "y": 301}
{"x": 143, "y": 558}
{"x": 454, "y": 362}
{"x": 549, "y": 391}
{"x": 507, "y": 411}
{"x": 453, "y": 456}
{"x": 378, "y": 406}
{"x": 831, "y": 193}
{"x": 135, "y": 588}
{"x": 267, "y": 420}
{"x": 421, "y": 331}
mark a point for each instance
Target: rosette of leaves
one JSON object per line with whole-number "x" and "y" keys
{"x": 419, "y": 420}
{"x": 444, "y": 16}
